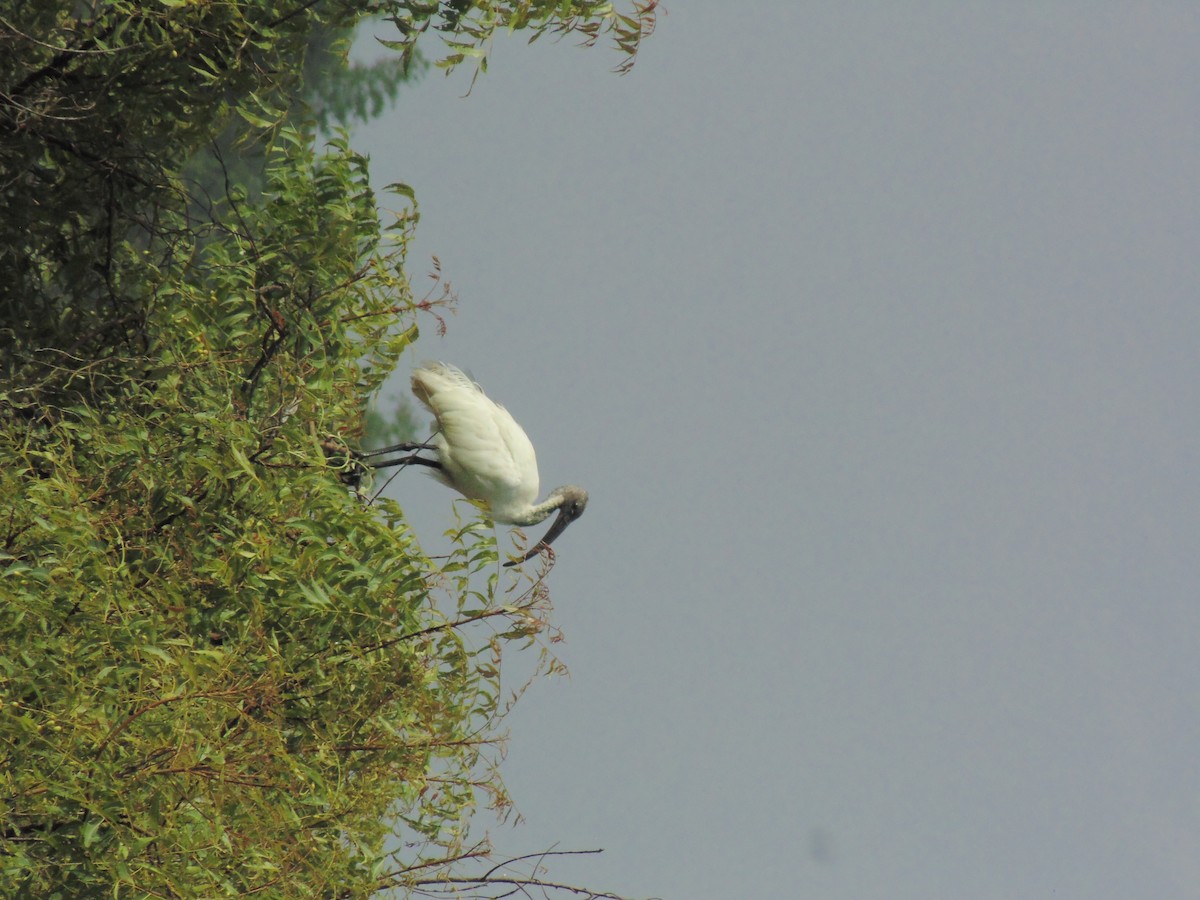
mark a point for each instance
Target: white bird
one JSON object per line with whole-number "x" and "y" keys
{"x": 484, "y": 454}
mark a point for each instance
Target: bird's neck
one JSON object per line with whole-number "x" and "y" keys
{"x": 538, "y": 511}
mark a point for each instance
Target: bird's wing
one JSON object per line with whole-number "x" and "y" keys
{"x": 486, "y": 454}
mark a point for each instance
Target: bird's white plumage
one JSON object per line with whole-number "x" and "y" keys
{"x": 485, "y": 454}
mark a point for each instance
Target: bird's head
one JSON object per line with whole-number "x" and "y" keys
{"x": 571, "y": 501}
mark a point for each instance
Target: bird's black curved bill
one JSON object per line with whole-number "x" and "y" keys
{"x": 560, "y": 525}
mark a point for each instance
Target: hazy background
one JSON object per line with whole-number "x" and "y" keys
{"x": 872, "y": 330}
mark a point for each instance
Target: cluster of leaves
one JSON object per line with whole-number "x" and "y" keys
{"x": 220, "y": 671}
{"x": 468, "y": 26}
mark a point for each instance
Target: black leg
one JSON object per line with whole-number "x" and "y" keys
{"x": 407, "y": 460}
{"x": 395, "y": 448}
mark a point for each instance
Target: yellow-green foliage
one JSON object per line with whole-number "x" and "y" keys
{"x": 204, "y": 679}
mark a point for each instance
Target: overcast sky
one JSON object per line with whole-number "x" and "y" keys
{"x": 872, "y": 330}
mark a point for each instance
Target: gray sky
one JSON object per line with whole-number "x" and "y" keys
{"x": 872, "y": 331}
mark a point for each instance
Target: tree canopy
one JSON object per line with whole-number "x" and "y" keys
{"x": 221, "y": 671}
